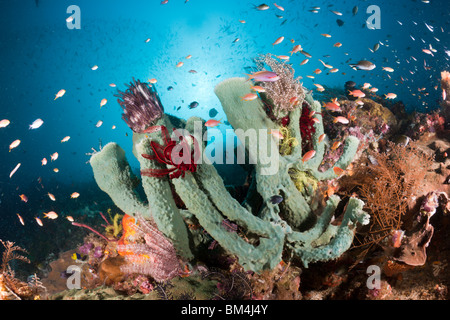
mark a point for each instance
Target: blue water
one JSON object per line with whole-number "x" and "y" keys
{"x": 40, "y": 56}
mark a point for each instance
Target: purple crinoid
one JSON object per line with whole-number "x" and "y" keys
{"x": 141, "y": 105}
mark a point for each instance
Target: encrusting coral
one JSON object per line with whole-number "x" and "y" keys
{"x": 270, "y": 229}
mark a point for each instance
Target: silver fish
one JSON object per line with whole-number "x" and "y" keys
{"x": 262, "y": 7}
{"x": 363, "y": 65}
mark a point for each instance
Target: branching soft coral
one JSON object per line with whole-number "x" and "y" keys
{"x": 386, "y": 181}
{"x": 10, "y": 287}
{"x": 285, "y": 94}
{"x": 10, "y": 254}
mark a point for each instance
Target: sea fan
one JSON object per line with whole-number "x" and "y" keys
{"x": 156, "y": 257}
{"x": 141, "y": 105}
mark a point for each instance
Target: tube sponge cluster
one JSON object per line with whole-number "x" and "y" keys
{"x": 274, "y": 227}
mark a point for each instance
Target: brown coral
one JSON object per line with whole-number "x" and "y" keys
{"x": 386, "y": 181}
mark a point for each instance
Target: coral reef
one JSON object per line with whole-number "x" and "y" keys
{"x": 138, "y": 287}
{"x": 269, "y": 228}
{"x": 369, "y": 121}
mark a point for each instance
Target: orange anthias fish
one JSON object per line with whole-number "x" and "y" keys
{"x": 357, "y": 93}
{"x": 296, "y": 49}
{"x": 60, "y": 93}
{"x": 283, "y": 57}
{"x": 249, "y": 97}
{"x": 338, "y": 171}
{"x": 332, "y": 106}
{"x": 278, "y": 41}
{"x": 212, "y": 123}
{"x": 39, "y": 221}
{"x": 103, "y": 102}
{"x": 264, "y": 76}
{"x": 20, "y": 219}
{"x": 277, "y": 134}
{"x": 51, "y": 196}
{"x": 308, "y": 155}
{"x": 321, "y": 137}
{"x": 152, "y": 129}
{"x": 54, "y": 156}
{"x": 390, "y": 96}
{"x": 74, "y": 195}
{"x": 4, "y": 123}
{"x": 258, "y": 89}
{"x": 51, "y": 215}
{"x": 24, "y": 198}
{"x": 14, "y": 170}
{"x": 278, "y": 7}
{"x": 341, "y": 119}
{"x": 14, "y": 144}
{"x": 293, "y": 100}
{"x": 335, "y": 145}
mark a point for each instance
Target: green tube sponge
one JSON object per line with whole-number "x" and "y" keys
{"x": 206, "y": 197}
{"x": 113, "y": 176}
{"x": 332, "y": 242}
{"x": 165, "y": 212}
{"x": 319, "y": 240}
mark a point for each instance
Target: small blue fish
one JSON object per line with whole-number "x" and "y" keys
{"x": 276, "y": 199}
